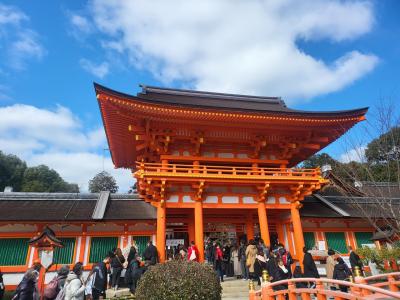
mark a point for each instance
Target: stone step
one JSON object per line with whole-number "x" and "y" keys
{"x": 123, "y": 292}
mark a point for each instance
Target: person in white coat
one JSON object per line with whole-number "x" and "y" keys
{"x": 74, "y": 286}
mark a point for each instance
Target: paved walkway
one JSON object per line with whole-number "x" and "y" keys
{"x": 233, "y": 288}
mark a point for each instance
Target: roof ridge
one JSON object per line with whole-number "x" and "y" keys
{"x": 218, "y": 95}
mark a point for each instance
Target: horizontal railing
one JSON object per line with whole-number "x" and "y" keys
{"x": 389, "y": 281}
{"x": 184, "y": 169}
{"x": 321, "y": 290}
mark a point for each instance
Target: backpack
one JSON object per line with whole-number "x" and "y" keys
{"x": 61, "y": 293}
{"x": 51, "y": 290}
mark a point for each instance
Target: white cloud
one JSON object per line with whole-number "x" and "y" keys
{"x": 20, "y": 43}
{"x": 241, "y": 46}
{"x": 57, "y": 138}
{"x": 98, "y": 70}
{"x": 11, "y": 15}
{"x": 81, "y": 23}
{"x": 356, "y": 154}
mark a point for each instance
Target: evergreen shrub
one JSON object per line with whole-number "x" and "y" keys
{"x": 179, "y": 280}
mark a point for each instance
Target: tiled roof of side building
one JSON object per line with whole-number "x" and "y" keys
{"x": 71, "y": 207}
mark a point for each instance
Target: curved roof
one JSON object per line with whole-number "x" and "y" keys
{"x": 231, "y": 102}
{"x": 125, "y": 115}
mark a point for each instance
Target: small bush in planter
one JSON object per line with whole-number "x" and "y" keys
{"x": 179, "y": 280}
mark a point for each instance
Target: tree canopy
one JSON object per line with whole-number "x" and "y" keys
{"x": 381, "y": 162}
{"x": 44, "y": 179}
{"x": 103, "y": 181}
{"x": 11, "y": 171}
{"x": 15, "y": 173}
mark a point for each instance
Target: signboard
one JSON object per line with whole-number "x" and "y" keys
{"x": 46, "y": 258}
{"x": 174, "y": 242}
{"x": 321, "y": 245}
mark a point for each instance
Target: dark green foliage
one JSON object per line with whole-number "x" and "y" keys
{"x": 44, "y": 179}
{"x": 381, "y": 165}
{"x": 385, "y": 148}
{"x": 15, "y": 173}
{"x": 179, "y": 280}
{"x": 103, "y": 182}
{"x": 318, "y": 160}
{"x": 11, "y": 171}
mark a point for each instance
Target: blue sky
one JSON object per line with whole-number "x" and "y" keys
{"x": 316, "y": 55}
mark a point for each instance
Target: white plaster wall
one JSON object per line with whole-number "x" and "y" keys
{"x": 173, "y": 198}
{"x": 230, "y": 199}
{"x": 226, "y": 155}
{"x": 283, "y": 200}
{"x": 187, "y": 199}
{"x": 18, "y": 228}
{"x": 12, "y": 278}
{"x": 248, "y": 200}
{"x": 142, "y": 227}
{"x": 105, "y": 227}
{"x": 271, "y": 200}
{"x": 78, "y": 248}
{"x": 211, "y": 199}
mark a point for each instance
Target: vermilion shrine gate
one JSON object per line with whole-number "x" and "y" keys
{"x": 208, "y": 158}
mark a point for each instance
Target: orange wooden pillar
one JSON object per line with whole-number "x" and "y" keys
{"x": 199, "y": 234}
{"x": 263, "y": 221}
{"x": 161, "y": 224}
{"x": 279, "y": 231}
{"x": 191, "y": 230}
{"x": 249, "y": 227}
{"x": 298, "y": 231}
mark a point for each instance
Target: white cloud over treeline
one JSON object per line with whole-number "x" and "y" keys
{"x": 57, "y": 138}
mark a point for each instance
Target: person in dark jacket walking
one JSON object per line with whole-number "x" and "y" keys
{"x": 281, "y": 273}
{"x": 218, "y": 257}
{"x": 355, "y": 260}
{"x": 271, "y": 264}
{"x": 242, "y": 260}
{"x": 132, "y": 254}
{"x": 150, "y": 254}
{"x": 133, "y": 273}
{"x": 99, "y": 284}
{"x": 260, "y": 265}
{"x": 117, "y": 264}
{"x": 2, "y": 287}
{"x": 310, "y": 269}
{"x": 27, "y": 289}
{"x": 297, "y": 273}
{"x": 341, "y": 272}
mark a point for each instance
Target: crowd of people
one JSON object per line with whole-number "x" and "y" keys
{"x": 245, "y": 261}
{"x": 70, "y": 284}
{"x": 249, "y": 260}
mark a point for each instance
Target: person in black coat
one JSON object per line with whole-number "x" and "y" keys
{"x": 355, "y": 260}
{"x": 133, "y": 274}
{"x": 281, "y": 273}
{"x": 132, "y": 254}
{"x": 272, "y": 264}
{"x": 228, "y": 265}
{"x": 260, "y": 265}
{"x": 117, "y": 264}
{"x": 297, "y": 273}
{"x": 341, "y": 272}
{"x": 310, "y": 269}
{"x": 99, "y": 286}
{"x": 2, "y": 287}
{"x": 27, "y": 289}
{"x": 150, "y": 254}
